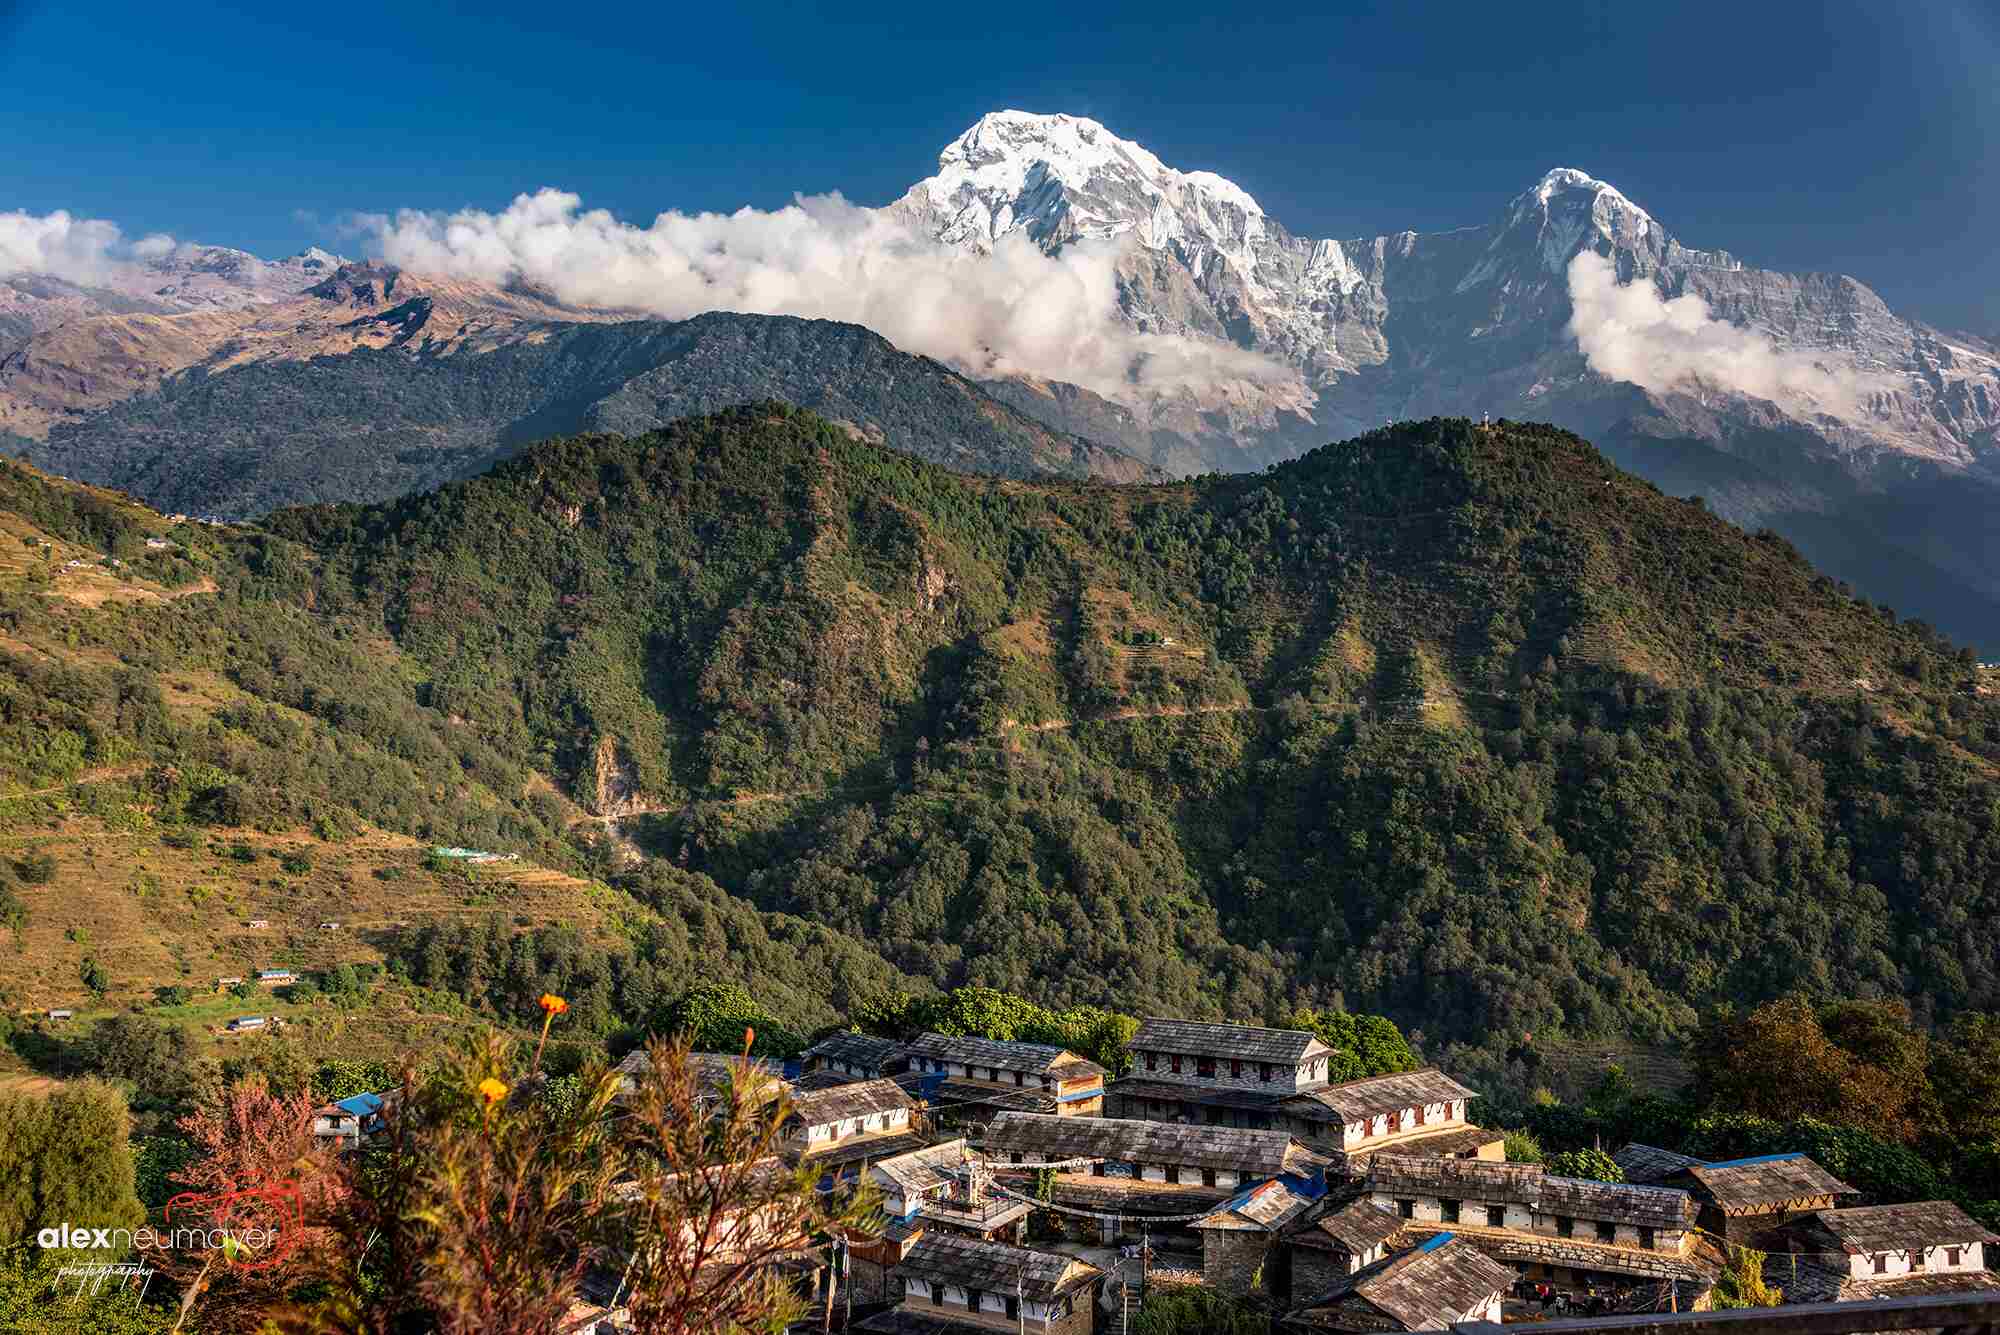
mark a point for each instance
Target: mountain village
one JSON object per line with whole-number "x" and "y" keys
{"x": 1024, "y": 1189}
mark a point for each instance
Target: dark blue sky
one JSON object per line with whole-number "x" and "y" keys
{"x": 1849, "y": 136}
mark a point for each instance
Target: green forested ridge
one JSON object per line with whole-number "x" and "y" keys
{"x": 1455, "y": 724}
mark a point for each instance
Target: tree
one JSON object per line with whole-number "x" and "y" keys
{"x": 92, "y": 975}
{"x": 243, "y": 1156}
{"x": 64, "y": 1158}
{"x": 36, "y": 1296}
{"x": 1741, "y": 1283}
{"x": 488, "y": 1204}
{"x": 714, "y": 1203}
{"x": 1594, "y": 1164}
{"x": 158, "y": 1058}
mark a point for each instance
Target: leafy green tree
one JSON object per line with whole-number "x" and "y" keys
{"x": 1741, "y": 1283}
{"x": 1594, "y": 1164}
{"x": 156, "y": 1057}
{"x": 92, "y": 975}
{"x": 64, "y": 1158}
{"x": 36, "y": 1296}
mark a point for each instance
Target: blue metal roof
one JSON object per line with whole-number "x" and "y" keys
{"x": 1755, "y": 1158}
{"x": 1435, "y": 1241}
{"x": 1310, "y": 1188}
{"x": 361, "y": 1105}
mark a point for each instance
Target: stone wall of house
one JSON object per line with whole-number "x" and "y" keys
{"x": 1231, "y": 1258}
{"x": 1314, "y": 1271}
{"x": 1286, "y": 1078}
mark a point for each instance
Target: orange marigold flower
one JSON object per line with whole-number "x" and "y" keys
{"x": 553, "y": 1004}
{"x": 492, "y": 1090}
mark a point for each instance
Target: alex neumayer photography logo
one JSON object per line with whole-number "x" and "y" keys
{"x": 246, "y": 1228}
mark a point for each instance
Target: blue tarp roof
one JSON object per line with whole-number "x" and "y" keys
{"x": 361, "y": 1105}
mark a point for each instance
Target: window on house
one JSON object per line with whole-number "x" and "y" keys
{"x": 1097, "y": 1169}
{"x": 1152, "y": 1061}
{"x": 1496, "y": 1216}
{"x": 1013, "y": 1307}
{"x": 1205, "y": 1067}
{"x": 1449, "y": 1211}
{"x": 1407, "y": 1209}
{"x": 1881, "y": 1263}
{"x": 1017, "y": 1079}
{"x": 1235, "y": 1068}
{"x": 1565, "y": 1226}
{"x": 1646, "y": 1238}
{"x": 1174, "y": 1063}
{"x": 1263, "y": 1070}
{"x": 937, "y": 1295}
{"x": 1952, "y": 1255}
{"x": 1606, "y": 1232}
{"x": 1208, "y": 1177}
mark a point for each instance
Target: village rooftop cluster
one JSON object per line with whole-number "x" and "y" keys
{"x": 1022, "y": 1190}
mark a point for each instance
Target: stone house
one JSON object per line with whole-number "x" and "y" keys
{"x": 951, "y": 1283}
{"x": 1140, "y": 1170}
{"x": 1238, "y": 1239}
{"x": 1749, "y": 1201}
{"x": 1329, "y": 1245}
{"x": 972, "y": 1079}
{"x": 1883, "y": 1251}
{"x": 1216, "y": 1074}
{"x": 863, "y": 1056}
{"x": 1410, "y": 1112}
{"x": 851, "y": 1124}
{"x": 1436, "y": 1284}
{"x": 1570, "y": 1231}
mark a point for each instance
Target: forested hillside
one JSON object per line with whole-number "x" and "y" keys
{"x": 1453, "y": 723}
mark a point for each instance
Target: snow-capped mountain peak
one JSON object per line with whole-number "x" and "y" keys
{"x": 1058, "y": 178}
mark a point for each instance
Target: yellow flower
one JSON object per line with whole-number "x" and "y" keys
{"x": 553, "y": 1004}
{"x": 492, "y": 1090}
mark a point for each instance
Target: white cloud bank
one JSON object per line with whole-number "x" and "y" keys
{"x": 80, "y": 250}
{"x": 1016, "y": 310}
{"x": 1630, "y": 332}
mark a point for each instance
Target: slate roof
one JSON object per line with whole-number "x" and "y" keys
{"x": 861, "y": 1149}
{"x": 1531, "y": 1185}
{"x": 1812, "y": 1281}
{"x": 1376, "y": 1095}
{"x": 993, "y": 1267}
{"x": 854, "y": 1049}
{"x": 1895, "y": 1228}
{"x": 1219, "y": 1096}
{"x": 1425, "y": 1288}
{"x": 1458, "y": 1140}
{"x": 960, "y": 1095}
{"x": 1356, "y": 1226}
{"x": 825, "y": 1078}
{"x": 818, "y": 1107}
{"x": 920, "y": 1170}
{"x": 1266, "y": 1207}
{"x": 1129, "y": 1140}
{"x": 992, "y": 1054}
{"x": 1197, "y": 1038}
{"x": 1649, "y": 1164}
{"x": 1767, "y": 1180}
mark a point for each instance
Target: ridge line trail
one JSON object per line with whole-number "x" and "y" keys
{"x": 103, "y": 774}
{"x": 1164, "y": 711}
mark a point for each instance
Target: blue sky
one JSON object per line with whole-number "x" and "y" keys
{"x": 1843, "y": 136}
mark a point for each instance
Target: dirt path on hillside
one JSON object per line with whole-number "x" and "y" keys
{"x": 103, "y": 774}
